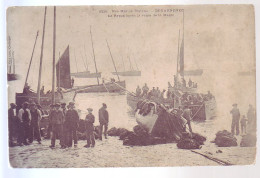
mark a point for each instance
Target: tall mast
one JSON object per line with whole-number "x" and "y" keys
{"x": 86, "y": 56}
{"x": 94, "y": 55}
{"x": 31, "y": 59}
{"x": 53, "y": 62}
{"x": 113, "y": 61}
{"x": 13, "y": 62}
{"x": 178, "y": 54}
{"x": 40, "y": 70}
{"x": 136, "y": 64}
{"x": 59, "y": 74}
{"x": 123, "y": 62}
{"x": 131, "y": 67}
{"x": 84, "y": 62}
{"x": 76, "y": 61}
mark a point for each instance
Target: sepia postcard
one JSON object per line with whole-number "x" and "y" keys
{"x": 131, "y": 86}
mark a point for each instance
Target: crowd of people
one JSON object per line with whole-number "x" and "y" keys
{"x": 185, "y": 98}
{"x": 247, "y": 123}
{"x": 63, "y": 122}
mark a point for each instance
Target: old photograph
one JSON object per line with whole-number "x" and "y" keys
{"x": 131, "y": 86}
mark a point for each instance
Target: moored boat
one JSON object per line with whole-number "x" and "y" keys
{"x": 110, "y": 87}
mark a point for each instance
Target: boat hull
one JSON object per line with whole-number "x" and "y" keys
{"x": 184, "y": 89}
{"x": 128, "y": 73}
{"x": 147, "y": 122}
{"x": 86, "y": 75}
{"x": 205, "y": 111}
{"x": 110, "y": 87}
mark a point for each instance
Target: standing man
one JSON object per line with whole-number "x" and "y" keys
{"x": 63, "y": 129}
{"x": 71, "y": 125}
{"x": 103, "y": 120}
{"x": 243, "y": 124}
{"x": 35, "y": 122}
{"x": 24, "y": 116}
{"x": 235, "y": 119}
{"x": 89, "y": 120}
{"x": 11, "y": 122}
{"x": 145, "y": 90}
{"x": 138, "y": 91}
{"x": 251, "y": 118}
{"x": 56, "y": 120}
{"x": 187, "y": 115}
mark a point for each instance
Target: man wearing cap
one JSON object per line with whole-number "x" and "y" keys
{"x": 103, "y": 120}
{"x": 11, "y": 122}
{"x": 89, "y": 121}
{"x": 235, "y": 119}
{"x": 24, "y": 116}
{"x": 35, "y": 122}
{"x": 56, "y": 121}
{"x": 71, "y": 125}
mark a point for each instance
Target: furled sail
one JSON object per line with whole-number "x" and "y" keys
{"x": 63, "y": 70}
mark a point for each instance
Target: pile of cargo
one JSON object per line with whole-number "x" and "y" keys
{"x": 191, "y": 141}
{"x": 138, "y": 137}
{"x": 225, "y": 139}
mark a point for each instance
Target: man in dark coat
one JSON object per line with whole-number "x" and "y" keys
{"x": 63, "y": 129}
{"x": 235, "y": 119}
{"x": 56, "y": 121}
{"x": 24, "y": 116}
{"x": 89, "y": 121}
{"x": 103, "y": 120}
{"x": 35, "y": 128}
{"x": 71, "y": 125}
{"x": 11, "y": 122}
{"x": 251, "y": 119}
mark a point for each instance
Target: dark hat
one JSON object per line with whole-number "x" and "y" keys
{"x": 57, "y": 105}
{"x": 63, "y": 104}
{"x": 52, "y": 105}
{"x": 90, "y": 109}
{"x": 235, "y": 104}
{"x": 25, "y": 104}
{"x": 33, "y": 104}
{"x": 13, "y": 105}
{"x": 71, "y": 103}
{"x": 104, "y": 104}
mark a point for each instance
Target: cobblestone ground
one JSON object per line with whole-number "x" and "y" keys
{"x": 112, "y": 153}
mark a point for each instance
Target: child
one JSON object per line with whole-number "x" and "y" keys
{"x": 243, "y": 124}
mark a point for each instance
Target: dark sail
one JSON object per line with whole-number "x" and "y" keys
{"x": 182, "y": 59}
{"x": 63, "y": 70}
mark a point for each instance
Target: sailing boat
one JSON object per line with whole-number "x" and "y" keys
{"x": 11, "y": 63}
{"x": 178, "y": 85}
{"x": 44, "y": 99}
{"x": 86, "y": 73}
{"x": 110, "y": 87}
{"x": 131, "y": 72}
